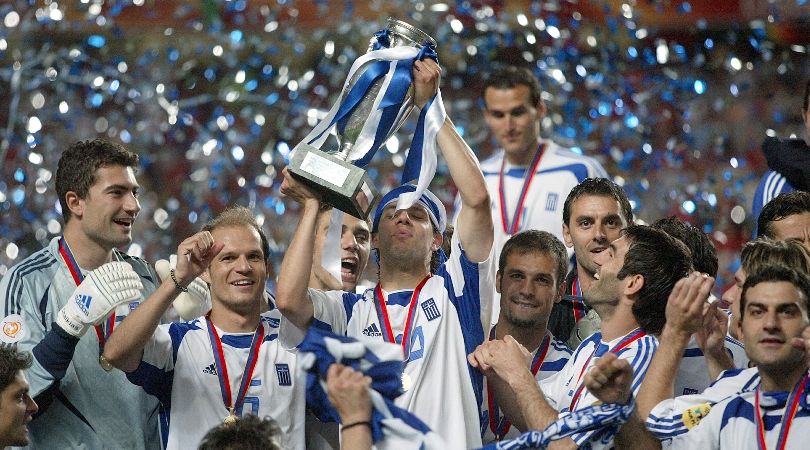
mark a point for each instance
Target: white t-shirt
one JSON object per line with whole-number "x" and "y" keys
{"x": 693, "y": 373}
{"x": 178, "y": 367}
{"x": 449, "y": 322}
{"x": 566, "y": 388}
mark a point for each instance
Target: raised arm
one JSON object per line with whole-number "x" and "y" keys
{"x": 293, "y": 278}
{"x": 124, "y": 350}
{"x": 474, "y": 223}
{"x": 686, "y": 307}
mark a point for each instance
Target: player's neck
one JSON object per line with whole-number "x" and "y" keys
{"x": 524, "y": 157}
{"x": 230, "y": 321}
{"x": 393, "y": 278}
{"x": 781, "y": 379}
{"x": 617, "y": 320}
{"x": 88, "y": 253}
{"x": 585, "y": 279}
{"x": 529, "y": 337}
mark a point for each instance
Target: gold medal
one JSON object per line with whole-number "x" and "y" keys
{"x": 102, "y": 361}
{"x": 406, "y": 382}
{"x": 231, "y": 419}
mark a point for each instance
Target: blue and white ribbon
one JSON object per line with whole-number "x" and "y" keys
{"x": 394, "y": 66}
{"x": 586, "y": 419}
{"x": 391, "y": 426}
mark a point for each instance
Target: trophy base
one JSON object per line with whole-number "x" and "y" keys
{"x": 341, "y": 184}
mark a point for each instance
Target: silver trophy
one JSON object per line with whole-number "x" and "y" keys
{"x": 342, "y": 184}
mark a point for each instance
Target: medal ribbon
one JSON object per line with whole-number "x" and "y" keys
{"x": 514, "y": 226}
{"x": 576, "y": 294}
{"x": 76, "y": 274}
{"x": 791, "y": 406}
{"x": 500, "y": 425}
{"x": 222, "y": 366}
{"x": 635, "y": 335}
{"x": 382, "y": 314}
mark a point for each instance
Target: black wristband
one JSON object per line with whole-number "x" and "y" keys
{"x": 176, "y": 284}
{"x": 346, "y": 427}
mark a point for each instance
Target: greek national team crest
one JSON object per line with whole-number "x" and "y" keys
{"x": 430, "y": 309}
{"x": 283, "y": 374}
{"x": 551, "y": 201}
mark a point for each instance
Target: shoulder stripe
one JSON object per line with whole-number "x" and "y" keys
{"x": 39, "y": 261}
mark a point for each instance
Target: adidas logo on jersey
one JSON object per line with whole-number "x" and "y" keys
{"x": 83, "y": 302}
{"x": 372, "y": 330}
{"x": 211, "y": 369}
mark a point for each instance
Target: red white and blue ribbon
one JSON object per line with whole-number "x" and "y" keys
{"x": 633, "y": 336}
{"x": 76, "y": 274}
{"x": 500, "y": 425}
{"x": 512, "y": 226}
{"x": 576, "y": 300}
{"x": 222, "y": 366}
{"x": 791, "y": 407}
{"x": 385, "y": 321}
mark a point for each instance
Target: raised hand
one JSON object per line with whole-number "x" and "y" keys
{"x": 610, "y": 379}
{"x": 194, "y": 255}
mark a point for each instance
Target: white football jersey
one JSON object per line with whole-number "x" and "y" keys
{"x": 693, "y": 373}
{"x": 557, "y": 172}
{"x": 178, "y": 368}
{"x": 449, "y": 322}
{"x": 676, "y": 416}
{"x": 731, "y": 424}
{"x": 551, "y": 358}
{"x": 566, "y": 389}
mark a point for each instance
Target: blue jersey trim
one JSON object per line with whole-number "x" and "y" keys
{"x": 37, "y": 261}
{"x": 154, "y": 381}
{"x": 177, "y": 331}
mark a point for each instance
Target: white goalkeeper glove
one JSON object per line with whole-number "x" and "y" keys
{"x": 103, "y": 289}
{"x": 189, "y": 305}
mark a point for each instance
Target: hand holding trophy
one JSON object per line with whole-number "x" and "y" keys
{"x": 376, "y": 100}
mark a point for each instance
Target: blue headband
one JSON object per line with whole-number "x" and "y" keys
{"x": 434, "y": 207}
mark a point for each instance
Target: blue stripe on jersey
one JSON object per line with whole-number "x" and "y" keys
{"x": 349, "y": 300}
{"x": 400, "y": 298}
{"x": 468, "y": 308}
{"x": 38, "y": 261}
{"x": 237, "y": 341}
{"x": 579, "y": 170}
{"x": 177, "y": 331}
{"x": 155, "y": 381}
{"x": 43, "y": 307}
{"x": 737, "y": 408}
{"x": 553, "y": 366}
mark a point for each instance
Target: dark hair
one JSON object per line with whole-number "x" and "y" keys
{"x": 806, "y": 95}
{"x": 510, "y": 77}
{"x": 662, "y": 260}
{"x": 602, "y": 187}
{"x": 783, "y": 205}
{"x": 77, "y": 167}
{"x": 248, "y": 433}
{"x": 704, "y": 255}
{"x": 531, "y": 241}
{"x": 239, "y": 216}
{"x": 765, "y": 251}
{"x": 775, "y": 274}
{"x": 11, "y": 362}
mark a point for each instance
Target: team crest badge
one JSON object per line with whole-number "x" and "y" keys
{"x": 12, "y": 329}
{"x": 692, "y": 416}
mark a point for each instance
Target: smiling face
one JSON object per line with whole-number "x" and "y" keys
{"x": 238, "y": 273}
{"x": 774, "y": 312}
{"x": 106, "y": 214}
{"x": 406, "y": 237}
{"x": 529, "y": 288}
{"x": 16, "y": 410}
{"x": 607, "y": 289}
{"x": 595, "y": 222}
{"x": 355, "y": 246}
{"x": 514, "y": 121}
